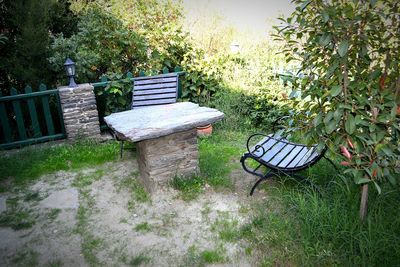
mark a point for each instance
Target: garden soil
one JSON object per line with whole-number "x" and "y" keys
{"x": 103, "y": 223}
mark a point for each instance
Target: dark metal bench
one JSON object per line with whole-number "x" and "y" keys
{"x": 281, "y": 157}
{"x": 154, "y": 90}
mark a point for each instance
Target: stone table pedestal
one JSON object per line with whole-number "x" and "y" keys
{"x": 166, "y": 138}
{"x": 172, "y": 155}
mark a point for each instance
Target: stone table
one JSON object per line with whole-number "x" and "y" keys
{"x": 166, "y": 138}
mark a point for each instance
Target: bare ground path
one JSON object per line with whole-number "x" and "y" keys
{"x": 100, "y": 216}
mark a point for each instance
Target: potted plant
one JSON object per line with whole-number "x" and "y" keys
{"x": 205, "y": 130}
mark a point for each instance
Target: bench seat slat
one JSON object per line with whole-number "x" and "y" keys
{"x": 296, "y": 150}
{"x": 282, "y": 154}
{"x": 273, "y": 151}
{"x": 266, "y": 143}
{"x": 307, "y": 157}
{"x": 298, "y": 157}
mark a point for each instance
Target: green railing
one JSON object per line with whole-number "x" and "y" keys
{"x": 104, "y": 82}
{"x": 30, "y": 117}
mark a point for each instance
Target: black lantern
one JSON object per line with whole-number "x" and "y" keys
{"x": 69, "y": 66}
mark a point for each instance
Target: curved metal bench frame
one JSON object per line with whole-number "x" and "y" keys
{"x": 262, "y": 148}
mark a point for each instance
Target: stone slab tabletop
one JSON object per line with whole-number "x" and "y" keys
{"x": 156, "y": 121}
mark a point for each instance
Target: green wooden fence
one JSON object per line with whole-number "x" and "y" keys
{"x": 104, "y": 82}
{"x": 30, "y": 117}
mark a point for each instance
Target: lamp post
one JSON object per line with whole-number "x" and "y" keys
{"x": 69, "y": 67}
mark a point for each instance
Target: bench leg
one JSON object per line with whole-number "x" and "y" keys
{"x": 267, "y": 176}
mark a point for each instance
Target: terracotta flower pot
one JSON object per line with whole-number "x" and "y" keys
{"x": 204, "y": 130}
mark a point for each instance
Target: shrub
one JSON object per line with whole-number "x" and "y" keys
{"x": 349, "y": 53}
{"x": 102, "y": 44}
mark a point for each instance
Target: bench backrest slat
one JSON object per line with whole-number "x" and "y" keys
{"x": 155, "y": 90}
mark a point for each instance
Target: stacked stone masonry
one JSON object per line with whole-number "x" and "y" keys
{"x": 81, "y": 118}
{"x": 163, "y": 158}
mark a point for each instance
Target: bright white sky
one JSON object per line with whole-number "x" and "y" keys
{"x": 257, "y": 16}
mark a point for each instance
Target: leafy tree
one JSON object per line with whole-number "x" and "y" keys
{"x": 103, "y": 44}
{"x": 26, "y": 27}
{"x": 349, "y": 51}
{"x": 25, "y": 24}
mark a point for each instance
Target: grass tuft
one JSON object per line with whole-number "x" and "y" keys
{"x": 143, "y": 227}
{"x": 190, "y": 187}
{"x": 139, "y": 260}
{"x": 138, "y": 192}
{"x": 83, "y": 180}
{"x": 194, "y": 257}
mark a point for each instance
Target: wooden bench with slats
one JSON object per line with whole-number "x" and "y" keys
{"x": 281, "y": 157}
{"x": 155, "y": 90}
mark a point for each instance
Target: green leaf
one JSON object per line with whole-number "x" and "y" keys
{"x": 378, "y": 188}
{"x": 317, "y": 120}
{"x": 304, "y": 5}
{"x": 336, "y": 89}
{"x": 330, "y": 126}
{"x": 373, "y": 2}
{"x": 350, "y": 124}
{"x": 393, "y": 111}
{"x": 343, "y": 47}
{"x": 338, "y": 114}
{"x": 361, "y": 180}
{"x": 325, "y": 39}
{"x": 325, "y": 16}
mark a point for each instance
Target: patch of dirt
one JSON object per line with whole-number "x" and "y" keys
{"x": 162, "y": 230}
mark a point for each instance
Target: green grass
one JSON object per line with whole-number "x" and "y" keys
{"x": 217, "y": 155}
{"x": 227, "y": 228}
{"x": 89, "y": 243}
{"x": 190, "y": 188}
{"x": 17, "y": 216}
{"x": 138, "y": 192}
{"x": 300, "y": 228}
{"x": 83, "y": 180}
{"x": 30, "y": 163}
{"x": 53, "y": 214}
{"x": 143, "y": 227}
{"x": 17, "y": 219}
{"x": 26, "y": 258}
{"x": 194, "y": 257}
{"x": 212, "y": 256}
{"x": 139, "y": 260}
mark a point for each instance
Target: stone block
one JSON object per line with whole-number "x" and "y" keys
{"x": 163, "y": 158}
{"x": 80, "y": 111}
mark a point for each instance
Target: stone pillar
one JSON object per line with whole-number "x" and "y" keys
{"x": 79, "y": 108}
{"x": 161, "y": 159}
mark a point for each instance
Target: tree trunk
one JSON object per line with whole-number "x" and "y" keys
{"x": 364, "y": 200}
